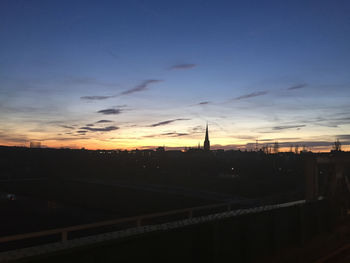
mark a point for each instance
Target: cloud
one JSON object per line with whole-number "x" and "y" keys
{"x": 343, "y": 137}
{"x": 166, "y": 122}
{"x": 340, "y": 121}
{"x": 299, "y": 86}
{"x": 329, "y": 121}
{"x": 97, "y": 97}
{"x": 67, "y": 127}
{"x": 110, "y": 111}
{"x": 284, "y": 127}
{"x": 11, "y": 137}
{"x": 329, "y": 124}
{"x": 182, "y": 66}
{"x": 244, "y": 137}
{"x": 174, "y": 134}
{"x": 141, "y": 87}
{"x": 167, "y": 134}
{"x": 202, "y": 103}
{"x": 198, "y": 129}
{"x": 105, "y": 129}
{"x": 251, "y": 95}
{"x": 60, "y": 139}
{"x": 89, "y": 125}
{"x": 103, "y": 121}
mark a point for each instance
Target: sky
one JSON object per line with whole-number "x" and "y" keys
{"x": 141, "y": 74}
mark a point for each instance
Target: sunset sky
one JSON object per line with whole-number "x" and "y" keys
{"x": 133, "y": 74}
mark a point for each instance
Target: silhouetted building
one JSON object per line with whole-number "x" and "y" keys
{"x": 35, "y": 145}
{"x": 160, "y": 149}
{"x": 337, "y": 146}
{"x": 206, "y": 141}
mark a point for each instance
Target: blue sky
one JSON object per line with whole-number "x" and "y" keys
{"x": 266, "y": 70}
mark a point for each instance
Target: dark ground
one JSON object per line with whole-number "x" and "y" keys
{"x": 57, "y": 200}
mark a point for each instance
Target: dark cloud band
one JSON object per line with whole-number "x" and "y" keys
{"x": 166, "y": 122}
{"x": 182, "y": 66}
{"x": 110, "y": 111}
{"x": 105, "y": 129}
{"x": 299, "y": 86}
{"x": 141, "y": 87}
{"x": 251, "y": 95}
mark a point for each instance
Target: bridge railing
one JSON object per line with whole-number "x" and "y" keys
{"x": 143, "y": 220}
{"x": 186, "y": 213}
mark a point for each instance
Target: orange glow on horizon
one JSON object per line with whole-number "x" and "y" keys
{"x": 147, "y": 144}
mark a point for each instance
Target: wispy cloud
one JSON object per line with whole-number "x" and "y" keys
{"x": 105, "y": 129}
{"x": 60, "y": 139}
{"x": 167, "y": 134}
{"x": 244, "y": 137}
{"x": 251, "y": 95}
{"x": 167, "y": 122}
{"x": 182, "y": 66}
{"x": 284, "y": 127}
{"x": 97, "y": 97}
{"x": 174, "y": 134}
{"x": 67, "y": 127}
{"x": 111, "y": 111}
{"x": 103, "y": 121}
{"x": 141, "y": 87}
{"x": 343, "y": 137}
{"x": 299, "y": 86}
{"x": 329, "y": 121}
{"x": 202, "y": 103}
{"x": 198, "y": 129}
{"x": 11, "y": 137}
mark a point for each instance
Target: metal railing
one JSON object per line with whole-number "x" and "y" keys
{"x": 189, "y": 216}
{"x": 137, "y": 220}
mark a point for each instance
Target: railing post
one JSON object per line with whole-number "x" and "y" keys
{"x": 302, "y": 225}
{"x": 190, "y": 213}
{"x": 64, "y": 236}
{"x": 139, "y": 222}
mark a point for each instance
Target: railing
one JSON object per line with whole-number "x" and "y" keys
{"x": 137, "y": 220}
{"x": 279, "y": 228}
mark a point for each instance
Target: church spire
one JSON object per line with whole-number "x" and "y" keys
{"x": 206, "y": 141}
